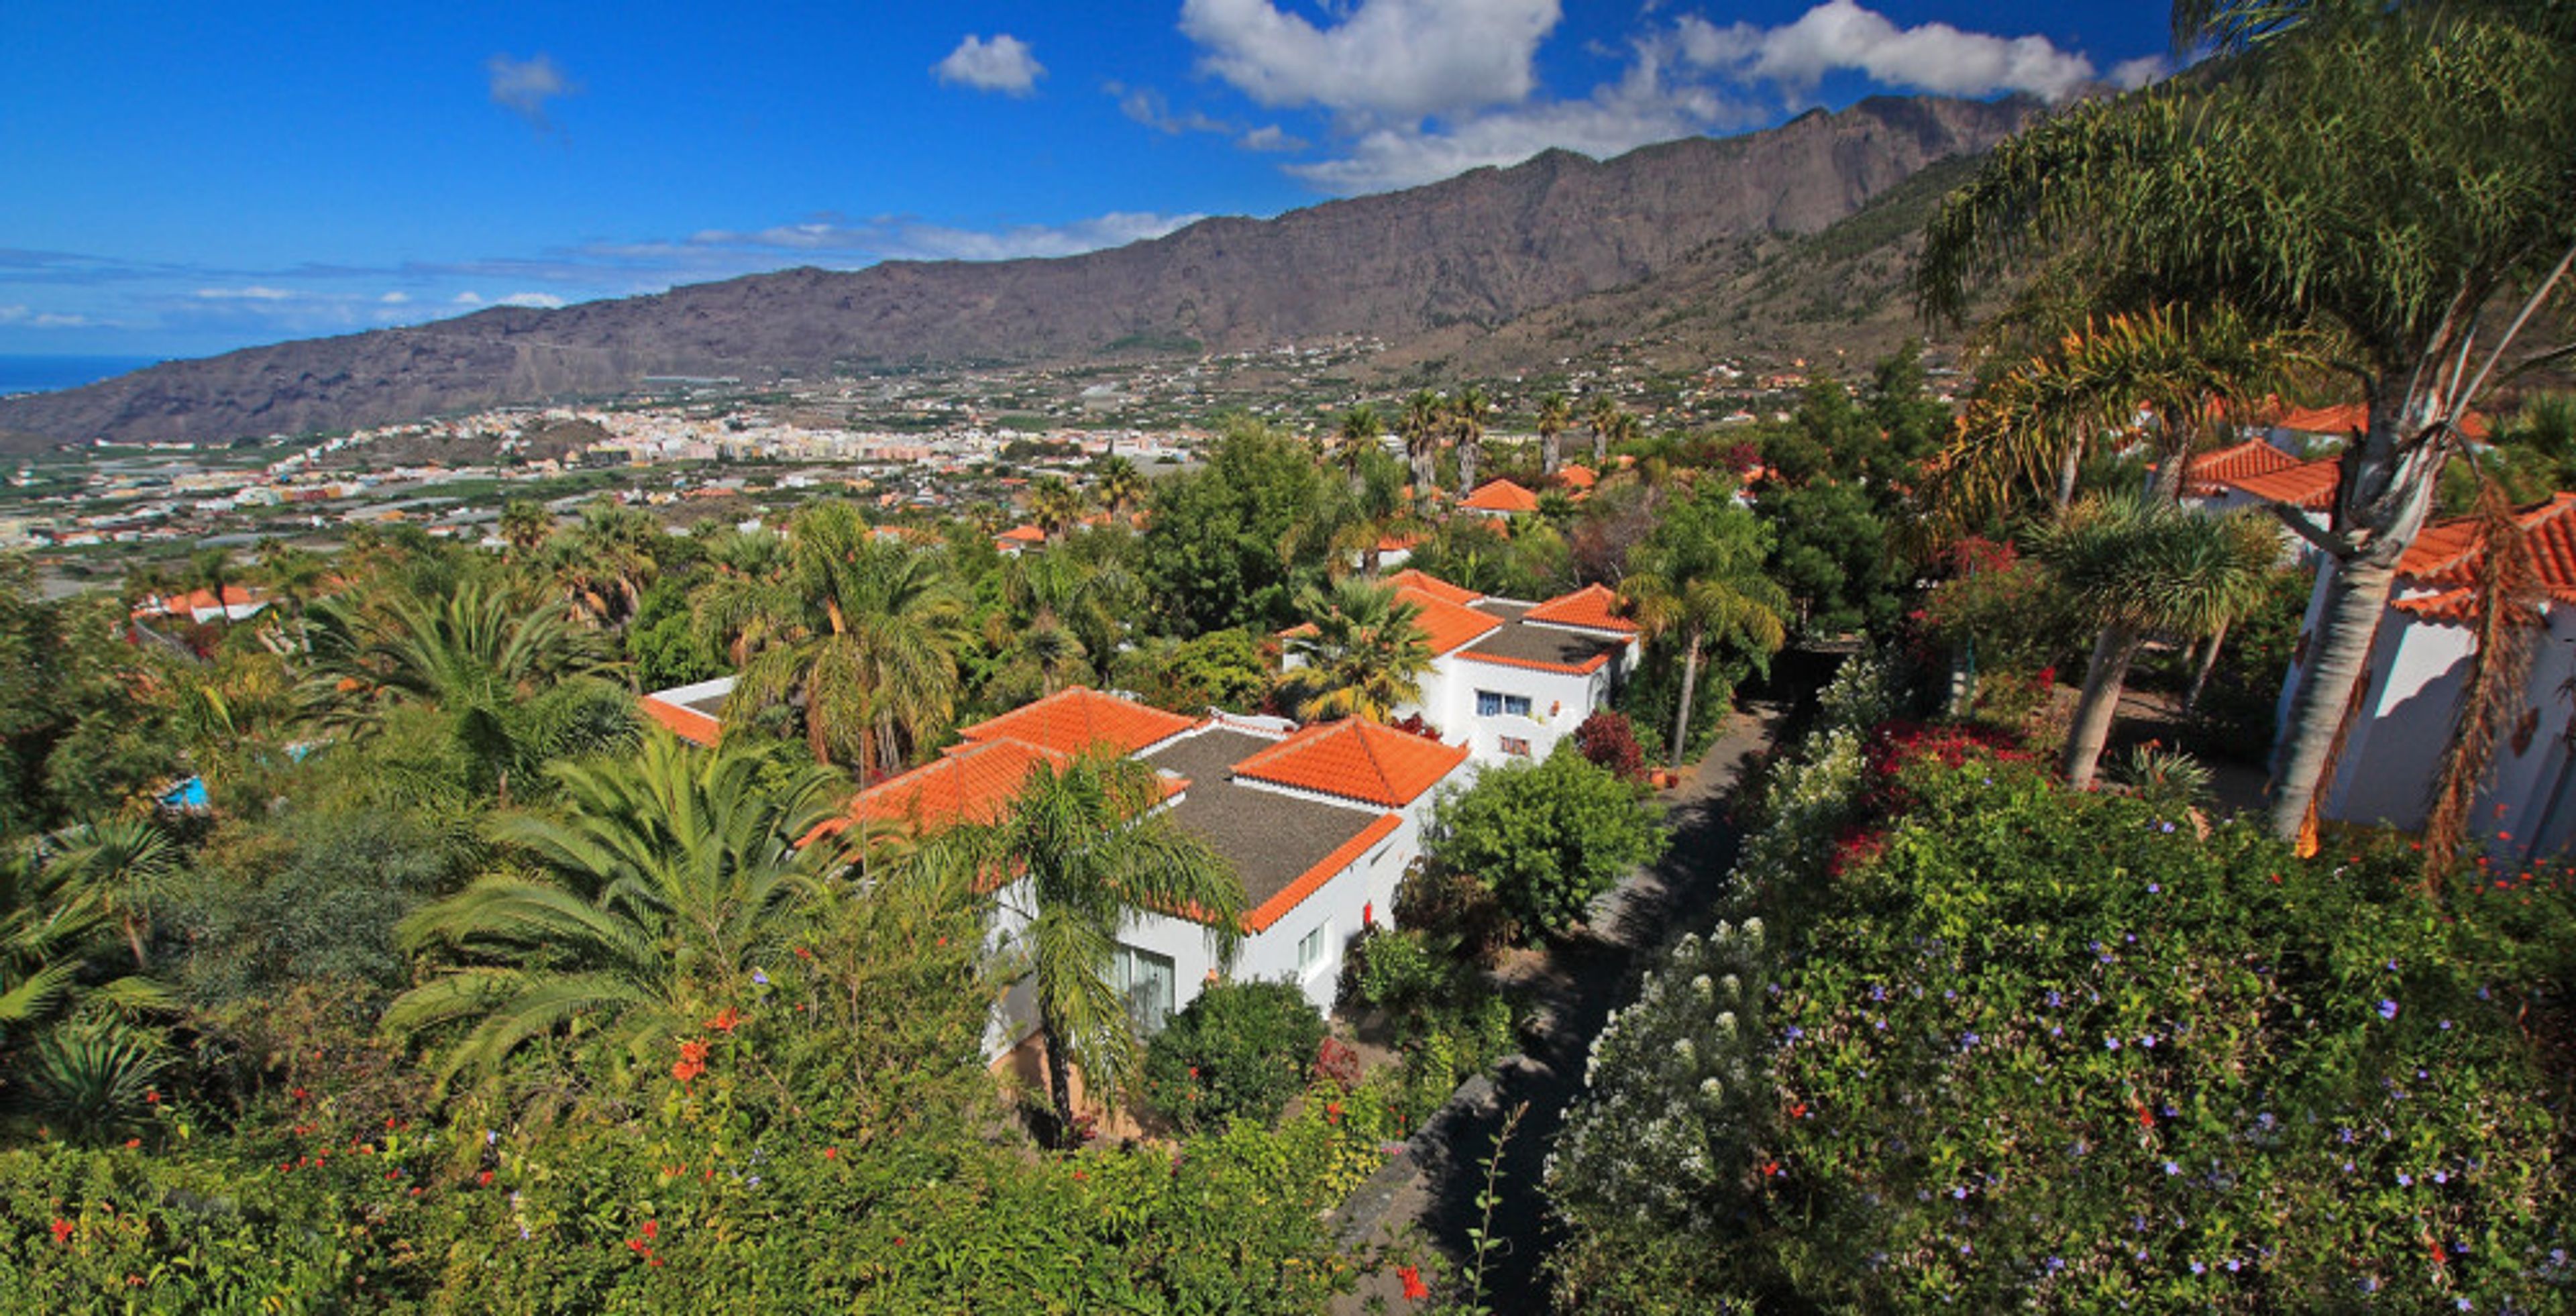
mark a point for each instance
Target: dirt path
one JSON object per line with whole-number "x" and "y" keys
{"x": 1572, "y": 991}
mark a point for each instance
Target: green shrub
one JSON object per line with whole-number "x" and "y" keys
{"x": 2053, "y": 1051}
{"x": 1240, "y": 1051}
{"x": 1545, "y": 838}
{"x": 1399, "y": 972}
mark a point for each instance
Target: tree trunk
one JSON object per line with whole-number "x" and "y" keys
{"x": 2068, "y": 467}
{"x": 2208, "y": 663}
{"x": 1059, "y": 1087}
{"x": 1690, "y": 688}
{"x": 2348, "y": 624}
{"x": 1469, "y": 453}
{"x": 2104, "y": 677}
{"x": 1600, "y": 450}
{"x": 1423, "y": 471}
{"x": 1551, "y": 450}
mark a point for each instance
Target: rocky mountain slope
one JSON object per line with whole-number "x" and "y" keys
{"x": 1466, "y": 262}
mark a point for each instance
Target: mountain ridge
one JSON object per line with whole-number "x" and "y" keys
{"x": 1458, "y": 259}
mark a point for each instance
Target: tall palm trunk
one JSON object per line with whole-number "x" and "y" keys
{"x": 1470, "y": 451}
{"x": 2208, "y": 664}
{"x": 1551, "y": 450}
{"x": 1059, "y": 1083}
{"x": 2068, "y": 467}
{"x": 2347, "y": 626}
{"x": 2104, "y": 677}
{"x": 1600, "y": 449}
{"x": 1421, "y": 451}
{"x": 1690, "y": 690}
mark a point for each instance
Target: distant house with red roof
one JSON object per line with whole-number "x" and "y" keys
{"x": 1320, "y": 823}
{"x": 1500, "y": 498}
{"x": 2418, "y": 665}
{"x": 1509, "y": 679}
{"x": 239, "y": 603}
{"x": 1019, "y": 539}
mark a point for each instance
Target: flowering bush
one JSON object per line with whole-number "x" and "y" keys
{"x": 1240, "y": 1051}
{"x": 1608, "y": 741}
{"x": 2059, "y": 1051}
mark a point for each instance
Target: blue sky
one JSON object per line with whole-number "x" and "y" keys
{"x": 181, "y": 178}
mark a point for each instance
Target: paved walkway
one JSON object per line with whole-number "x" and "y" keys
{"x": 1430, "y": 1192}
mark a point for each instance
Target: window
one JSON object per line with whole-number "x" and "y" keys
{"x": 1310, "y": 952}
{"x": 1145, "y": 979}
{"x": 1516, "y": 747}
{"x": 1490, "y": 704}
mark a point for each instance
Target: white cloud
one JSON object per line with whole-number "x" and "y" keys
{"x": 2131, "y": 74}
{"x": 253, "y": 293}
{"x": 1002, "y": 64}
{"x": 1270, "y": 137}
{"x": 1149, "y": 107}
{"x": 22, "y": 318}
{"x": 469, "y": 299}
{"x": 896, "y": 238}
{"x": 544, "y": 301}
{"x": 1394, "y": 58}
{"x": 1840, "y": 35}
{"x": 524, "y": 86}
{"x": 1642, "y": 107}
{"x": 395, "y": 298}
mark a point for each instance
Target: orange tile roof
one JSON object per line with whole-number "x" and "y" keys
{"x": 1022, "y": 534}
{"x": 2344, "y": 419}
{"x": 2211, "y": 470}
{"x": 1434, "y": 586}
{"x": 1576, "y": 475}
{"x": 974, "y": 784}
{"x": 1593, "y": 607}
{"x": 1313, "y": 879}
{"x": 687, "y": 723}
{"x": 2310, "y": 485}
{"x": 1450, "y": 625}
{"x": 235, "y": 596}
{"x": 2446, "y": 555}
{"x": 1355, "y": 760}
{"x": 1500, "y": 496}
{"x": 1076, "y": 719}
{"x": 1396, "y": 543}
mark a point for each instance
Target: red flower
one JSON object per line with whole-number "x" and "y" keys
{"x": 1798, "y": 1111}
{"x": 1770, "y": 1168}
{"x": 652, "y": 1229}
{"x": 685, "y": 1070}
{"x": 63, "y": 1231}
{"x": 831, "y": 1153}
{"x": 1414, "y": 1289}
{"x": 483, "y": 1180}
{"x": 804, "y": 954}
{"x": 725, "y": 1020}
{"x": 693, "y": 1052}
{"x": 152, "y": 1098}
{"x": 132, "y": 1143}
{"x": 2146, "y": 1118}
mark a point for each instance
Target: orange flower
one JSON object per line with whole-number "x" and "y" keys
{"x": 652, "y": 1229}
{"x": 694, "y": 1053}
{"x": 684, "y": 1070}
{"x": 1414, "y": 1289}
{"x": 63, "y": 1231}
{"x": 725, "y": 1020}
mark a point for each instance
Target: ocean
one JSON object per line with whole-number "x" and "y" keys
{"x": 44, "y": 374}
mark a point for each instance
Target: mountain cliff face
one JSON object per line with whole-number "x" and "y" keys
{"x": 1456, "y": 260}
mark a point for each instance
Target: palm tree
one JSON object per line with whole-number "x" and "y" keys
{"x": 1363, "y": 653}
{"x": 1555, "y": 414}
{"x": 516, "y": 682}
{"x": 1361, "y": 429}
{"x": 1091, "y": 859}
{"x": 1119, "y": 486}
{"x": 2383, "y": 173}
{"x": 525, "y": 525}
{"x": 1467, "y": 417}
{"x": 1055, "y": 506}
{"x": 1420, "y": 428}
{"x": 1603, "y": 415}
{"x": 1698, "y": 579}
{"x": 2141, "y": 568}
{"x": 61, "y": 899}
{"x": 648, "y": 902}
{"x": 866, "y": 651}
{"x": 295, "y": 575}
{"x": 2032, "y": 427}
{"x": 212, "y": 570}
{"x": 604, "y": 564}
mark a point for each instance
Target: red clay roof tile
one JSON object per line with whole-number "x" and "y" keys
{"x": 1355, "y": 760}
{"x": 1501, "y": 496}
{"x": 2210, "y": 471}
{"x": 1074, "y": 720}
{"x": 1593, "y": 607}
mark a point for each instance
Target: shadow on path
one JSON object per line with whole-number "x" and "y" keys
{"x": 1569, "y": 996}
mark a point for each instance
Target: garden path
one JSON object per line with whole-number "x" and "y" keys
{"x": 1570, "y": 990}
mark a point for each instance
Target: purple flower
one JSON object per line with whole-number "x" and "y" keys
{"x": 2405, "y": 1180}
{"x": 2387, "y": 1009}
{"x": 2110, "y": 1044}
{"x": 760, "y": 977}
{"x": 2154, "y": 890}
{"x": 2199, "y": 1269}
{"x": 2234, "y": 1265}
{"x": 2172, "y": 1169}
{"x": 2164, "y": 827}
{"x": 2054, "y": 999}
